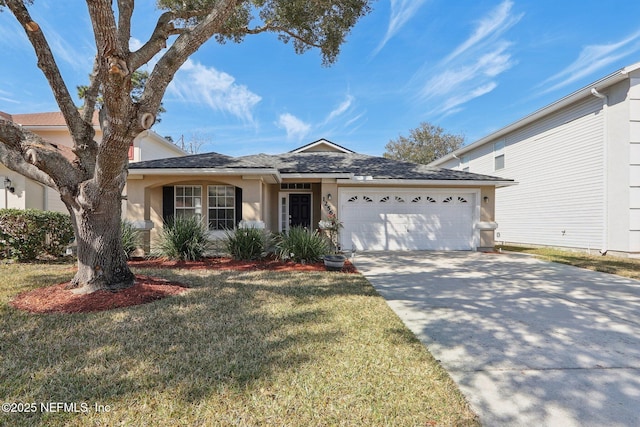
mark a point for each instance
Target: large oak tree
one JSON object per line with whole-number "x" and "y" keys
{"x": 90, "y": 176}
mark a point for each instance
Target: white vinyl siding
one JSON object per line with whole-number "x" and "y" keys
{"x": 557, "y": 162}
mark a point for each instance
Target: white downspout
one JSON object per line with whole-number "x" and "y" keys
{"x": 605, "y": 154}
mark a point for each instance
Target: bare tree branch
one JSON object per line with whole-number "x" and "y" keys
{"x": 277, "y": 28}
{"x": 125, "y": 11}
{"x": 29, "y": 154}
{"x": 47, "y": 63}
{"x": 158, "y": 40}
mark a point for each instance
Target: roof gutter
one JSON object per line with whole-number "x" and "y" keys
{"x": 429, "y": 182}
{"x": 140, "y": 173}
{"x": 605, "y": 178}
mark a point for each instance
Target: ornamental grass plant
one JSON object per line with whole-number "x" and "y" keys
{"x": 184, "y": 239}
{"x": 247, "y": 243}
{"x": 302, "y": 245}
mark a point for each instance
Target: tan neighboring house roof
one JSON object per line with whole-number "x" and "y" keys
{"x": 43, "y": 119}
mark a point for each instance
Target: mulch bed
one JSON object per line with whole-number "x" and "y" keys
{"x": 58, "y": 299}
{"x": 222, "y": 263}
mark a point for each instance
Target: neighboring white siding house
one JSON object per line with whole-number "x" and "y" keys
{"x": 577, "y": 164}
{"x": 19, "y": 192}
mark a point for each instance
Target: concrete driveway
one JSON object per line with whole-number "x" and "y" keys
{"x": 528, "y": 342}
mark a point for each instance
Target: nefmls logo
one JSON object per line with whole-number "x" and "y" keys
{"x": 73, "y": 407}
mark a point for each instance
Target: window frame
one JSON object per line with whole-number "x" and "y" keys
{"x": 499, "y": 155}
{"x": 197, "y": 210}
{"x": 229, "y": 205}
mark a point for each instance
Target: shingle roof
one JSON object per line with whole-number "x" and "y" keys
{"x": 199, "y": 161}
{"x": 318, "y": 163}
{"x": 361, "y": 165}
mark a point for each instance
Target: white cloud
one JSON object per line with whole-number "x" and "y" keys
{"x": 593, "y": 58}
{"x": 462, "y": 98}
{"x": 134, "y": 44}
{"x": 490, "y": 27}
{"x": 197, "y": 83}
{"x": 487, "y": 65}
{"x": 295, "y": 128}
{"x": 401, "y": 12}
{"x": 471, "y": 70}
{"x": 340, "y": 109}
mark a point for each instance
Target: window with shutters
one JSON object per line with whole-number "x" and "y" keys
{"x": 188, "y": 201}
{"x": 222, "y": 207}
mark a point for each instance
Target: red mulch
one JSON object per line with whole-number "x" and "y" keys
{"x": 58, "y": 299}
{"x": 221, "y": 263}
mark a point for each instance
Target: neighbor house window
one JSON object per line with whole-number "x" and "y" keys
{"x": 222, "y": 207}
{"x": 498, "y": 155}
{"x": 188, "y": 201}
{"x": 464, "y": 163}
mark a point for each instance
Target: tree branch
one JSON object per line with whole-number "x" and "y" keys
{"x": 125, "y": 11}
{"x": 28, "y": 154}
{"x": 47, "y": 63}
{"x": 158, "y": 40}
{"x": 277, "y": 28}
{"x": 185, "y": 45}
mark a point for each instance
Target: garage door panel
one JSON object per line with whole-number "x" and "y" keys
{"x": 380, "y": 220}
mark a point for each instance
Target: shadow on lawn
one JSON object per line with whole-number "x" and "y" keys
{"x": 230, "y": 330}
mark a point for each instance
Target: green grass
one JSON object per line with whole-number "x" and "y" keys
{"x": 627, "y": 267}
{"x": 246, "y": 349}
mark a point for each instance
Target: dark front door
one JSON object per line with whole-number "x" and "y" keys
{"x": 300, "y": 210}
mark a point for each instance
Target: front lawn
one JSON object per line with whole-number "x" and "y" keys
{"x": 239, "y": 348}
{"x": 627, "y": 267}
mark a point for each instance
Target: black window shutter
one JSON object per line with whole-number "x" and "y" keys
{"x": 167, "y": 203}
{"x": 238, "y": 205}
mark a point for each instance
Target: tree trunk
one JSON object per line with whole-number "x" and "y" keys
{"x": 102, "y": 262}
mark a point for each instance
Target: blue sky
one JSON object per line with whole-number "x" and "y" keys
{"x": 469, "y": 67}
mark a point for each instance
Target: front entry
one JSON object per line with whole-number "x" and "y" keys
{"x": 300, "y": 210}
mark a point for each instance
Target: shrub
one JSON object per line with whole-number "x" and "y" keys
{"x": 28, "y": 234}
{"x": 300, "y": 244}
{"x": 130, "y": 237}
{"x": 184, "y": 238}
{"x": 247, "y": 243}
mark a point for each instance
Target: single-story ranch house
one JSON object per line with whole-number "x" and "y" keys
{"x": 577, "y": 164}
{"x": 384, "y": 204}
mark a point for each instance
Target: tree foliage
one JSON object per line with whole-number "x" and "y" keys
{"x": 90, "y": 176}
{"x": 424, "y": 144}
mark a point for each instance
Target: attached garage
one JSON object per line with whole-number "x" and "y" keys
{"x": 402, "y": 219}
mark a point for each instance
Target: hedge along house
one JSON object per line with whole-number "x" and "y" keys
{"x": 384, "y": 204}
{"x": 577, "y": 163}
{"x": 19, "y": 192}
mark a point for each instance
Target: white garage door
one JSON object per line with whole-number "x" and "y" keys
{"x": 393, "y": 219}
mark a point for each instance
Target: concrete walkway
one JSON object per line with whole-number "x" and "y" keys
{"x": 529, "y": 343}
